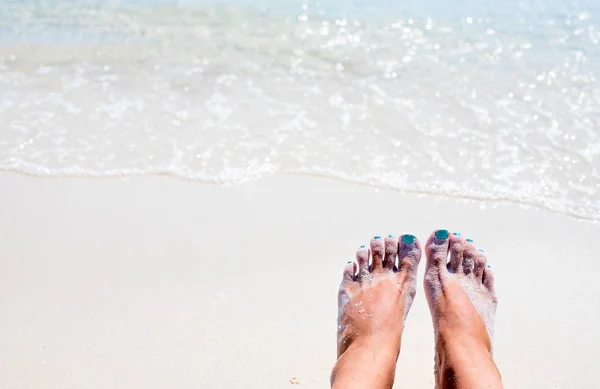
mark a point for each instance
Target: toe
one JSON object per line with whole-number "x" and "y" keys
{"x": 349, "y": 274}
{"x": 479, "y": 261}
{"x": 377, "y": 250}
{"x": 437, "y": 250}
{"x": 488, "y": 279}
{"x": 348, "y": 282}
{"x": 410, "y": 253}
{"x": 391, "y": 252}
{"x": 457, "y": 251}
{"x": 362, "y": 257}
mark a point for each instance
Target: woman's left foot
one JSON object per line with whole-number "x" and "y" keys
{"x": 373, "y": 302}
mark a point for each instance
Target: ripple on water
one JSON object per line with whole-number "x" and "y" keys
{"x": 487, "y": 104}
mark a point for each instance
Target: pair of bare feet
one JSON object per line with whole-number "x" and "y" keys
{"x": 374, "y": 300}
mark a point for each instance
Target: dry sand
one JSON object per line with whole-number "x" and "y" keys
{"x": 153, "y": 282}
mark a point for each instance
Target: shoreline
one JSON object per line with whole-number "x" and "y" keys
{"x": 154, "y": 282}
{"x": 484, "y": 198}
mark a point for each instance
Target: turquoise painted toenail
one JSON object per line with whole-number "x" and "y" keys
{"x": 377, "y": 237}
{"x": 456, "y": 233}
{"x": 349, "y": 262}
{"x": 470, "y": 240}
{"x": 441, "y": 234}
{"x": 408, "y": 239}
{"x": 362, "y": 246}
{"x": 481, "y": 250}
{"x": 489, "y": 266}
{"x": 390, "y": 236}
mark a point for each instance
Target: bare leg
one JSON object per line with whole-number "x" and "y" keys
{"x": 463, "y": 303}
{"x": 373, "y": 303}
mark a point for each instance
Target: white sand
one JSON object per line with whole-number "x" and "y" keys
{"x": 158, "y": 283}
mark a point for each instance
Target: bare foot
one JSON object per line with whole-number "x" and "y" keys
{"x": 372, "y": 305}
{"x": 463, "y": 303}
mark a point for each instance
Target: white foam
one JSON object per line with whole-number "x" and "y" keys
{"x": 226, "y": 94}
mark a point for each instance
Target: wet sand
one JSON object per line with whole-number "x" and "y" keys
{"x": 154, "y": 282}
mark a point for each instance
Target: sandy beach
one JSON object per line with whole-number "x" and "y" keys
{"x": 154, "y": 282}
{"x": 183, "y": 181}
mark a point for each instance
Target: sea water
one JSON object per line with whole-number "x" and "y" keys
{"x": 478, "y": 99}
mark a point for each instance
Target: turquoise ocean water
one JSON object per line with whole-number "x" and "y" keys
{"x": 477, "y": 99}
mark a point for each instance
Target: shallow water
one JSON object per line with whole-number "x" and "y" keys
{"x": 473, "y": 99}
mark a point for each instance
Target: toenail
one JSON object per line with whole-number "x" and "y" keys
{"x": 470, "y": 240}
{"x": 362, "y": 246}
{"x": 377, "y": 237}
{"x": 456, "y": 233}
{"x": 489, "y": 266}
{"x": 390, "y": 236}
{"x": 441, "y": 234}
{"x": 481, "y": 250}
{"x": 349, "y": 262}
{"x": 408, "y": 239}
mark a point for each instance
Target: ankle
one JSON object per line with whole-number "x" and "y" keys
{"x": 451, "y": 350}
{"x": 465, "y": 359}
{"x": 471, "y": 334}
{"x": 467, "y": 369}
{"x": 369, "y": 362}
{"x": 388, "y": 339}
{"x": 464, "y": 340}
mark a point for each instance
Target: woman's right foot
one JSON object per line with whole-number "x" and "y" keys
{"x": 462, "y": 301}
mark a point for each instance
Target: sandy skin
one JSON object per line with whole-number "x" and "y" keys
{"x": 375, "y": 299}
